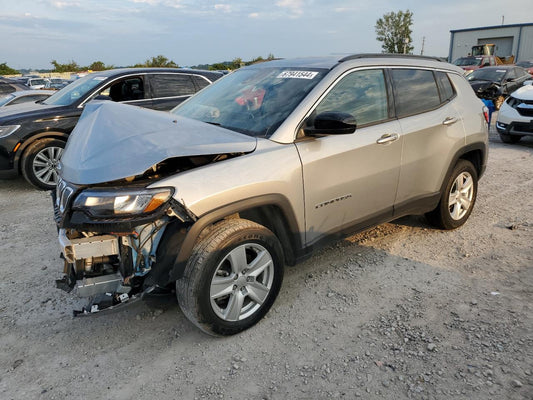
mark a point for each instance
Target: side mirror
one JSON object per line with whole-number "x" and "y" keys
{"x": 332, "y": 123}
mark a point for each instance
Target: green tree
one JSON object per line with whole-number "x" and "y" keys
{"x": 159, "y": 61}
{"x": 394, "y": 31}
{"x": 70, "y": 67}
{"x": 99, "y": 66}
{"x": 5, "y": 70}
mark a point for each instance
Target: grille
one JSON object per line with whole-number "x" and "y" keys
{"x": 522, "y": 127}
{"x": 525, "y": 110}
{"x": 63, "y": 194}
{"x": 524, "y": 107}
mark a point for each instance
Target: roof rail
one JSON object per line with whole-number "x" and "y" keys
{"x": 390, "y": 55}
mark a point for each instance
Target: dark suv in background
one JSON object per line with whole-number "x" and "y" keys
{"x": 33, "y": 136}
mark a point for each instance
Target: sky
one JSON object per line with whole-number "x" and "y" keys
{"x": 192, "y": 32}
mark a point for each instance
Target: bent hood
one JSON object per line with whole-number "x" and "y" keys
{"x": 114, "y": 141}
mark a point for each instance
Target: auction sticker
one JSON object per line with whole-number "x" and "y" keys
{"x": 298, "y": 74}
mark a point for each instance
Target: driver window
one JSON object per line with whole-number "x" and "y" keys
{"x": 128, "y": 89}
{"x": 362, "y": 94}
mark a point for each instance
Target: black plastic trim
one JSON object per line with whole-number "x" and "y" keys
{"x": 239, "y": 206}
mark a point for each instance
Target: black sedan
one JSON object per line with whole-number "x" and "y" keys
{"x": 33, "y": 135}
{"x": 496, "y": 83}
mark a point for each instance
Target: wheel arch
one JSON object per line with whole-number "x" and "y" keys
{"x": 272, "y": 211}
{"x": 476, "y": 153}
{"x": 32, "y": 139}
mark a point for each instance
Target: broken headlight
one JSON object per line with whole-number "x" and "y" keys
{"x": 104, "y": 203}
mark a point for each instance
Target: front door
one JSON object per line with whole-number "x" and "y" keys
{"x": 351, "y": 179}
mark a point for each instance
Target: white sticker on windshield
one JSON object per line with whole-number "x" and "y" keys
{"x": 99, "y": 78}
{"x": 500, "y": 70}
{"x": 298, "y": 74}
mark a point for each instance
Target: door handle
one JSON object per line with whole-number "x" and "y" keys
{"x": 388, "y": 138}
{"x": 449, "y": 121}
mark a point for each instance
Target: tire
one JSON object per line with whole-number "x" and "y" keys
{"x": 39, "y": 163}
{"x": 457, "y": 199}
{"x": 498, "y": 102}
{"x": 509, "y": 138}
{"x": 221, "y": 291}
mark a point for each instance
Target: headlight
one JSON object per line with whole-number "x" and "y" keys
{"x": 7, "y": 130}
{"x": 102, "y": 203}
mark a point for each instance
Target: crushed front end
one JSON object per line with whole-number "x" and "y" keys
{"x": 110, "y": 236}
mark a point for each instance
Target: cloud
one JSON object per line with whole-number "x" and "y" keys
{"x": 64, "y": 4}
{"x": 223, "y": 7}
{"x": 167, "y": 3}
{"x": 253, "y": 15}
{"x": 295, "y": 6}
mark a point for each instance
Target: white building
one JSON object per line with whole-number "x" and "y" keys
{"x": 510, "y": 40}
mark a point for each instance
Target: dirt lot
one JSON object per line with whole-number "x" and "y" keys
{"x": 401, "y": 311}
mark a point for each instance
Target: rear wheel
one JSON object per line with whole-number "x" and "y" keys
{"x": 40, "y": 161}
{"x": 232, "y": 277}
{"x": 509, "y": 138}
{"x": 457, "y": 199}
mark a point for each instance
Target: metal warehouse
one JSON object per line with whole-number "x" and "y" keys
{"x": 509, "y": 40}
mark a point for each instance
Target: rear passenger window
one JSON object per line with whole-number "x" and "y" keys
{"x": 172, "y": 85}
{"x": 200, "y": 81}
{"x": 445, "y": 87}
{"x": 362, "y": 94}
{"x": 415, "y": 91}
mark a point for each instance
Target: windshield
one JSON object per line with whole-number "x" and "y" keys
{"x": 73, "y": 92}
{"x": 468, "y": 61}
{"x": 5, "y": 99}
{"x": 252, "y": 101}
{"x": 485, "y": 74}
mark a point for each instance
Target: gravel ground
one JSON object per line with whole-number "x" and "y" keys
{"x": 401, "y": 311}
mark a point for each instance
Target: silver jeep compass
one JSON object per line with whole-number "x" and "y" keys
{"x": 255, "y": 172}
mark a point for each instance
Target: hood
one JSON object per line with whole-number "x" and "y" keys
{"x": 524, "y": 93}
{"x": 479, "y": 86}
{"x": 114, "y": 141}
{"x": 25, "y": 110}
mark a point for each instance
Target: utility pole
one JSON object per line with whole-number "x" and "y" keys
{"x": 423, "y": 43}
{"x": 503, "y": 19}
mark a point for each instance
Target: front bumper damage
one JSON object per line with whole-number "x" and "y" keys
{"x": 117, "y": 264}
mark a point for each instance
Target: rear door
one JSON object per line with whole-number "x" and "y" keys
{"x": 432, "y": 132}
{"x": 351, "y": 179}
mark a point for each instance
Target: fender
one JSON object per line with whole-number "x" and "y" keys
{"x": 240, "y": 206}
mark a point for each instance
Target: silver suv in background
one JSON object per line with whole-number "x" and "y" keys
{"x": 256, "y": 172}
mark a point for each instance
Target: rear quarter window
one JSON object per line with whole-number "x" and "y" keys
{"x": 446, "y": 89}
{"x": 415, "y": 91}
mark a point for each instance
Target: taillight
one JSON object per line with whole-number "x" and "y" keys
{"x": 486, "y": 114}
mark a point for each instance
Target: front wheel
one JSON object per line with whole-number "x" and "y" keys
{"x": 457, "y": 199}
{"x": 40, "y": 161}
{"x": 232, "y": 277}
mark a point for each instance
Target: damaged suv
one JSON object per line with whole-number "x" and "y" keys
{"x": 255, "y": 172}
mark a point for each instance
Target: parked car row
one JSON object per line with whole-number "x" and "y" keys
{"x": 33, "y": 135}
{"x": 37, "y": 82}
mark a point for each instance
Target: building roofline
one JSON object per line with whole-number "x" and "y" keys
{"x": 491, "y": 27}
